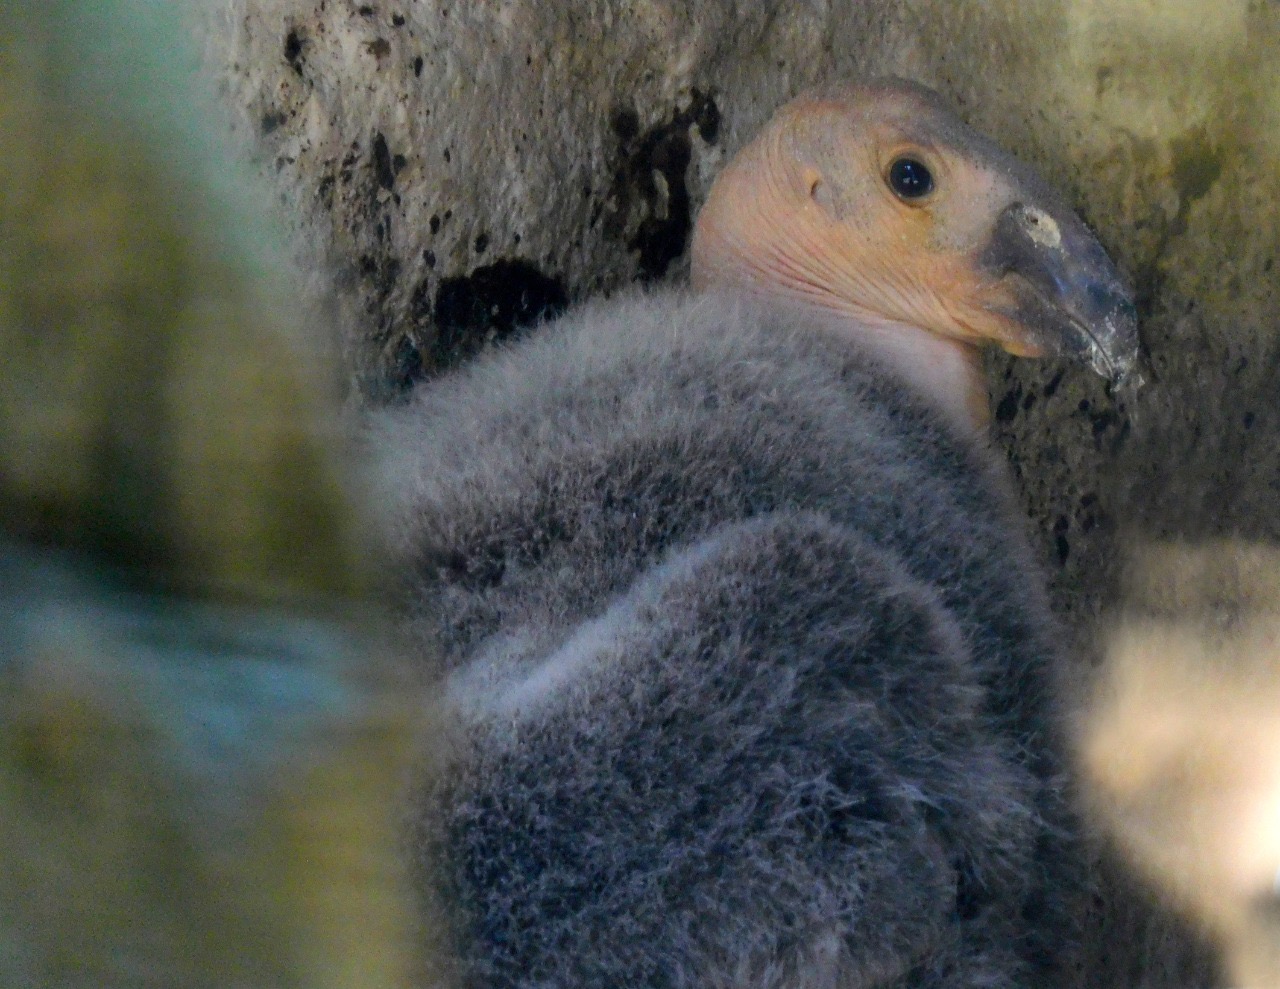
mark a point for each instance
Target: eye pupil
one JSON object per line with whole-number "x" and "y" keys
{"x": 910, "y": 179}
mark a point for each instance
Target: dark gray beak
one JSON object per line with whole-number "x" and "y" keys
{"x": 1070, "y": 297}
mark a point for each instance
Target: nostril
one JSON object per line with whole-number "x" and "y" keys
{"x": 1041, "y": 227}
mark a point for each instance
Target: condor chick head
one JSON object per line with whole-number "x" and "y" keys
{"x": 875, "y": 208}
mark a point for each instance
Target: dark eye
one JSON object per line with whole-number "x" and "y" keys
{"x": 909, "y": 179}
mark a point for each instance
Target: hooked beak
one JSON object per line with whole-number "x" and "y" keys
{"x": 1068, "y": 296}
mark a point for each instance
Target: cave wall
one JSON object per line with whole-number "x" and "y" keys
{"x": 458, "y": 170}
{"x": 462, "y": 169}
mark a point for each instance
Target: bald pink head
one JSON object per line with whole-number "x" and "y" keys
{"x": 874, "y": 206}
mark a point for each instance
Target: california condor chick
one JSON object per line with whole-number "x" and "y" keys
{"x": 745, "y": 652}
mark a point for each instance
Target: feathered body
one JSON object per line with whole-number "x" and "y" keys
{"x": 748, "y": 661}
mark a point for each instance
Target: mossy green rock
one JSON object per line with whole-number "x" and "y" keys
{"x": 159, "y": 408}
{"x": 202, "y": 730}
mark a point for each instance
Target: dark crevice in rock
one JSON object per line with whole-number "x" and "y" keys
{"x": 650, "y": 208}
{"x": 487, "y": 305}
{"x": 293, "y": 51}
{"x": 384, "y": 166}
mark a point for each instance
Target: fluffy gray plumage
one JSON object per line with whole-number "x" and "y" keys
{"x": 747, "y": 660}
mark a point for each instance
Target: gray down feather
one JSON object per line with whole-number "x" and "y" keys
{"x": 747, "y": 664}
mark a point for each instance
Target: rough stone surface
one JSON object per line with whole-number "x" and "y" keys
{"x": 460, "y": 168}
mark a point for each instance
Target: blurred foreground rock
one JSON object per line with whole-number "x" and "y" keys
{"x": 190, "y": 795}
{"x": 202, "y": 731}
{"x": 1182, "y": 742}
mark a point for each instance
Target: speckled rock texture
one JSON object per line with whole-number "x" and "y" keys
{"x": 458, "y": 170}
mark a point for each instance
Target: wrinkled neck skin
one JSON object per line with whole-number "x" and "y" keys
{"x": 759, "y": 237}
{"x": 946, "y": 373}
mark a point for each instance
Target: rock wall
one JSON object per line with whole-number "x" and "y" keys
{"x": 460, "y": 169}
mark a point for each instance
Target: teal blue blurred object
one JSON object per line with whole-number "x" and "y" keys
{"x": 191, "y": 795}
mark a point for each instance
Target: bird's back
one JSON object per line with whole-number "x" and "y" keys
{"x": 747, "y": 660}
